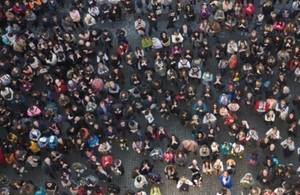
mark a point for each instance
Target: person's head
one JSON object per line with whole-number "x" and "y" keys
{"x": 225, "y": 174}
{"x": 265, "y": 172}
{"x": 194, "y": 162}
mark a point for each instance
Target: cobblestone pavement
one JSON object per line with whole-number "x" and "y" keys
{"x": 131, "y": 159}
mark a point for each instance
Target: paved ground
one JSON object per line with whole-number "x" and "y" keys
{"x": 131, "y": 159}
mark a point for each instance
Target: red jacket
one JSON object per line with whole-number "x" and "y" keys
{"x": 62, "y": 88}
{"x": 249, "y": 9}
{"x": 107, "y": 161}
{"x": 293, "y": 66}
{"x": 2, "y": 158}
{"x": 261, "y": 106}
{"x": 230, "y": 119}
{"x": 122, "y": 51}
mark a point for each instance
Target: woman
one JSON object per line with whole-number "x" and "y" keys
{"x": 218, "y": 167}
{"x": 196, "y": 174}
{"x": 102, "y": 174}
{"x": 247, "y": 181}
{"x": 254, "y": 159}
{"x": 171, "y": 173}
{"x": 189, "y": 13}
{"x": 207, "y": 168}
{"x": 204, "y": 152}
{"x": 226, "y": 148}
{"x": 227, "y": 7}
{"x": 180, "y": 158}
{"x": 139, "y": 53}
{"x": 269, "y": 118}
{"x": 155, "y": 190}
{"x": 269, "y": 163}
{"x": 230, "y": 166}
{"x": 288, "y": 146}
{"x": 117, "y": 167}
{"x": 173, "y": 142}
{"x": 225, "y": 179}
{"x": 65, "y": 179}
{"x": 196, "y": 39}
{"x": 147, "y": 42}
{"x": 273, "y": 134}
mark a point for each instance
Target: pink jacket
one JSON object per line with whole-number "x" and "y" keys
{"x": 278, "y": 26}
{"x": 33, "y": 111}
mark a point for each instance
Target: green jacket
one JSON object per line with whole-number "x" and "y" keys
{"x": 147, "y": 42}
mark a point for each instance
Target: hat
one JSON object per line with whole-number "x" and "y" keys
{"x": 43, "y": 139}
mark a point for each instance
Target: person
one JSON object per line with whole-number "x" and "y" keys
{"x": 264, "y": 143}
{"x": 189, "y": 146}
{"x": 183, "y": 184}
{"x": 155, "y": 190}
{"x": 171, "y": 172}
{"x": 207, "y": 168}
{"x": 247, "y": 181}
{"x": 51, "y": 188}
{"x": 152, "y": 18}
{"x": 224, "y": 191}
{"x": 48, "y": 168}
{"x": 254, "y": 159}
{"x": 113, "y": 188}
{"x": 156, "y": 154}
{"x": 282, "y": 109}
{"x": 218, "y": 167}
{"x": 196, "y": 173}
{"x": 204, "y": 152}
{"x": 180, "y": 158}
{"x": 237, "y": 150}
{"x": 140, "y": 181}
{"x": 225, "y": 179}
{"x": 273, "y": 134}
{"x": 288, "y": 146}
{"x": 265, "y": 177}
{"x": 140, "y": 26}
{"x": 252, "y": 137}
{"x": 230, "y": 166}
{"x": 76, "y": 18}
{"x": 210, "y": 119}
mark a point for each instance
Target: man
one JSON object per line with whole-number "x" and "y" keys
{"x": 265, "y": 177}
{"x": 48, "y": 168}
{"x": 106, "y": 38}
{"x": 210, "y": 119}
{"x": 200, "y": 108}
{"x": 140, "y": 26}
{"x": 282, "y": 109}
{"x": 261, "y": 106}
{"x": 237, "y": 150}
{"x": 224, "y": 99}
{"x": 252, "y": 137}
{"x": 152, "y": 18}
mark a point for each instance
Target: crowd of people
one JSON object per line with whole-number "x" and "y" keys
{"x": 74, "y": 83}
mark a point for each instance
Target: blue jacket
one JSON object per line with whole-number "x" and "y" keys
{"x": 227, "y": 183}
{"x": 53, "y": 144}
